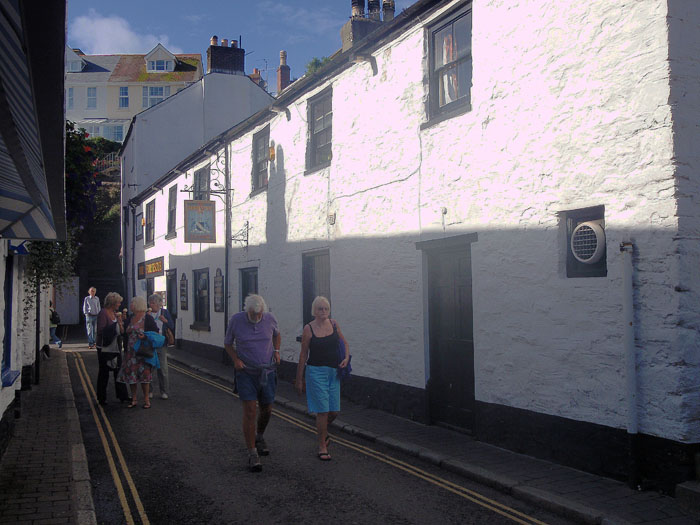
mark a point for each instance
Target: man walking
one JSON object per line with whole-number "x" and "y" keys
{"x": 255, "y": 358}
{"x": 91, "y": 307}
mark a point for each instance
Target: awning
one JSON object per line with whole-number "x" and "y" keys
{"x": 32, "y": 126}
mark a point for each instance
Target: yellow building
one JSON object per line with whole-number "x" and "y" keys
{"x": 103, "y": 92}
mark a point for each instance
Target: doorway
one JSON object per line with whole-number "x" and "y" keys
{"x": 451, "y": 336}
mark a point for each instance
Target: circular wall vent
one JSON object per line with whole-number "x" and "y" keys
{"x": 588, "y": 242}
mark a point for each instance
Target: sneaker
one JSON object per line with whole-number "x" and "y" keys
{"x": 261, "y": 446}
{"x": 60, "y": 344}
{"x": 254, "y": 464}
{"x": 164, "y": 396}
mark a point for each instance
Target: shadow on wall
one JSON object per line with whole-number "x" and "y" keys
{"x": 276, "y": 225}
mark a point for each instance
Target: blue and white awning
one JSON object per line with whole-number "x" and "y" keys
{"x": 32, "y": 190}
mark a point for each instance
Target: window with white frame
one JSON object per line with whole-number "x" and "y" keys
{"x": 124, "y": 96}
{"x": 201, "y": 184}
{"x": 69, "y": 98}
{"x": 172, "y": 210}
{"x": 115, "y": 133}
{"x": 160, "y": 65}
{"x": 451, "y": 62}
{"x": 154, "y": 94}
{"x": 320, "y": 117}
{"x": 261, "y": 156}
{"x": 91, "y": 97}
{"x": 150, "y": 223}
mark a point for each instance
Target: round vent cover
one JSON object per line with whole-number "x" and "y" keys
{"x": 588, "y": 242}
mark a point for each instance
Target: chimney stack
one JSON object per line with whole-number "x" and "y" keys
{"x": 389, "y": 8}
{"x": 374, "y": 10}
{"x": 282, "y": 73}
{"x": 224, "y": 59}
{"x": 358, "y": 8}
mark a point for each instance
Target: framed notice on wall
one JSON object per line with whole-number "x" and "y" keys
{"x": 200, "y": 225}
{"x": 218, "y": 291}
{"x": 183, "y": 292}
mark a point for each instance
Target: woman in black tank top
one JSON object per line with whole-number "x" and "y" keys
{"x": 318, "y": 363}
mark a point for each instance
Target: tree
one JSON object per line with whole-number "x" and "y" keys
{"x": 316, "y": 64}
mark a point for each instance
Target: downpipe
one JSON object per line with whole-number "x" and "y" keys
{"x": 627, "y": 251}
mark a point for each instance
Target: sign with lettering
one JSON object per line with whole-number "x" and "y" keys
{"x": 183, "y": 292}
{"x": 218, "y": 291}
{"x": 200, "y": 224}
{"x": 152, "y": 268}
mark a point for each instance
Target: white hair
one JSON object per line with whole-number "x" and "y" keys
{"x": 138, "y": 304}
{"x": 317, "y": 301}
{"x": 254, "y": 304}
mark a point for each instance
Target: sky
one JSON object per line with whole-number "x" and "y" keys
{"x": 304, "y": 28}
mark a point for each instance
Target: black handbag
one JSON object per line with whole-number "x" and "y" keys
{"x": 145, "y": 349}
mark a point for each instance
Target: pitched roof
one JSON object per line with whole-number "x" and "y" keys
{"x": 132, "y": 68}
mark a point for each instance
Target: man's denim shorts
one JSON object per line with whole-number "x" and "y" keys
{"x": 250, "y": 389}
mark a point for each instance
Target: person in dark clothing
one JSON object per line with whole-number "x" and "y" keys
{"x": 319, "y": 355}
{"x": 110, "y": 326}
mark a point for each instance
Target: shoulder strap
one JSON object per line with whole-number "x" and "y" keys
{"x": 312, "y": 330}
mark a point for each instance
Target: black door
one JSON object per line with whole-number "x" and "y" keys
{"x": 316, "y": 279}
{"x": 249, "y": 283}
{"x": 171, "y": 292}
{"x": 451, "y": 384}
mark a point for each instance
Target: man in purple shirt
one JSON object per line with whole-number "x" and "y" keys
{"x": 255, "y": 356}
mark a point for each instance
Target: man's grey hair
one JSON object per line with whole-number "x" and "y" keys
{"x": 254, "y": 304}
{"x": 155, "y": 298}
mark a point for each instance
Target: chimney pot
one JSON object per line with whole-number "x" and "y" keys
{"x": 389, "y": 7}
{"x": 224, "y": 42}
{"x": 214, "y": 41}
{"x": 358, "y": 8}
{"x": 374, "y": 9}
{"x": 283, "y": 73}
{"x": 234, "y": 43}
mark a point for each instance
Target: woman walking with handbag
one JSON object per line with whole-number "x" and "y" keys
{"x": 135, "y": 370}
{"x": 165, "y": 324}
{"x": 109, "y": 326}
{"x": 319, "y": 343}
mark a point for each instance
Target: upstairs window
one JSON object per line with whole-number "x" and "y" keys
{"x": 172, "y": 210}
{"x": 138, "y": 226}
{"x": 91, "y": 97}
{"x": 124, "y": 97}
{"x": 160, "y": 65}
{"x": 320, "y": 118}
{"x": 115, "y": 133}
{"x": 451, "y": 63}
{"x": 150, "y": 223}
{"x": 154, "y": 94}
{"x": 261, "y": 156}
{"x": 201, "y": 184}
{"x": 69, "y": 98}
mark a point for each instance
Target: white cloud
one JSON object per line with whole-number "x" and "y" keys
{"x": 96, "y": 34}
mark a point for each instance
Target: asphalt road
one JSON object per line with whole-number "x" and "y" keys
{"x": 183, "y": 461}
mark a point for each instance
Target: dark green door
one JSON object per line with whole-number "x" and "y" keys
{"x": 451, "y": 383}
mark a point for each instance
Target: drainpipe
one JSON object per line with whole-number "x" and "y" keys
{"x": 627, "y": 250}
{"x": 227, "y": 230}
{"x": 133, "y": 252}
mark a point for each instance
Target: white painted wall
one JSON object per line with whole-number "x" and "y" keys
{"x": 572, "y": 107}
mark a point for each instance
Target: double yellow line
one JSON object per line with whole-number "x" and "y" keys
{"x": 106, "y": 435}
{"x": 454, "y": 488}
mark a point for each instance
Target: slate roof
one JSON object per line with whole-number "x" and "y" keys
{"x": 132, "y": 68}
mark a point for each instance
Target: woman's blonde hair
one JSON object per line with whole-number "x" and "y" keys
{"x": 317, "y": 301}
{"x": 138, "y": 304}
{"x": 113, "y": 300}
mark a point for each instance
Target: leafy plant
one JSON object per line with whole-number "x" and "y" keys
{"x": 316, "y": 64}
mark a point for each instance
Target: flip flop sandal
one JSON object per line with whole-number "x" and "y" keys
{"x": 131, "y": 405}
{"x": 146, "y": 406}
{"x": 324, "y": 456}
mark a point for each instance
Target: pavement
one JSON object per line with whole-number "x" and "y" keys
{"x": 44, "y": 476}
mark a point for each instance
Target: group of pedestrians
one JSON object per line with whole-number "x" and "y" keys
{"x": 253, "y": 342}
{"x": 117, "y": 335}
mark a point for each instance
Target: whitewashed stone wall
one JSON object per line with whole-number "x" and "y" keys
{"x": 572, "y": 106}
{"x": 570, "y": 109}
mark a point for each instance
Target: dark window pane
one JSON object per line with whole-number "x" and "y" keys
{"x": 462, "y": 35}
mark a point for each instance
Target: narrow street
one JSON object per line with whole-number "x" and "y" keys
{"x": 183, "y": 461}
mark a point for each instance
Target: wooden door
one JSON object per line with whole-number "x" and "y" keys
{"x": 451, "y": 383}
